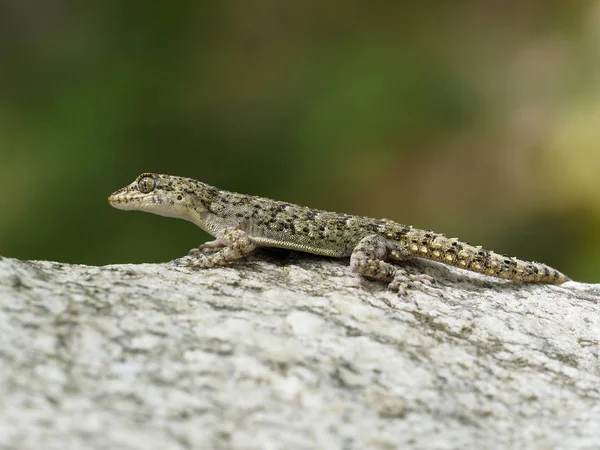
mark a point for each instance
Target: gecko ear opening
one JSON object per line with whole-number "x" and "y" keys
{"x": 146, "y": 184}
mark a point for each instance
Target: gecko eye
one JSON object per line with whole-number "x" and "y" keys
{"x": 146, "y": 185}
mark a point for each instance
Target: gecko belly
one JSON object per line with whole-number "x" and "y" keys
{"x": 300, "y": 246}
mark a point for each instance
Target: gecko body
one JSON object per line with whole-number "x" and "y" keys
{"x": 241, "y": 223}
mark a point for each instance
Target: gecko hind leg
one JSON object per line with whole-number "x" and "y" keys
{"x": 369, "y": 259}
{"x": 403, "y": 280}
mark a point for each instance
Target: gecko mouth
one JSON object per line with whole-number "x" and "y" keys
{"x": 126, "y": 199}
{"x": 129, "y": 199}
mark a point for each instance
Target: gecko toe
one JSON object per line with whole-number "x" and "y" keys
{"x": 199, "y": 251}
{"x": 403, "y": 283}
{"x": 401, "y": 288}
{"x": 180, "y": 261}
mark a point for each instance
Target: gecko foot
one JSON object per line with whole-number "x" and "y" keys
{"x": 404, "y": 282}
{"x": 200, "y": 261}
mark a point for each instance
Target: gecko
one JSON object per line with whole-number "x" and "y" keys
{"x": 241, "y": 223}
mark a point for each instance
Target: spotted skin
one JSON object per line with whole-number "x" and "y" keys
{"x": 241, "y": 223}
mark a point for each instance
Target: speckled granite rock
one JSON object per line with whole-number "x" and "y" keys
{"x": 289, "y": 351}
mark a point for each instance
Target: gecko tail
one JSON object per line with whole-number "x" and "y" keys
{"x": 528, "y": 272}
{"x": 451, "y": 251}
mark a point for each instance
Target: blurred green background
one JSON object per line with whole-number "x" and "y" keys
{"x": 477, "y": 119}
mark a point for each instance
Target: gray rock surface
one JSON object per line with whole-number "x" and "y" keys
{"x": 289, "y": 351}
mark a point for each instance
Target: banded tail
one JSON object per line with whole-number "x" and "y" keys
{"x": 450, "y": 251}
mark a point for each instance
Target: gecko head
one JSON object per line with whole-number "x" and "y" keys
{"x": 165, "y": 195}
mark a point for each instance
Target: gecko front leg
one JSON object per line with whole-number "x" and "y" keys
{"x": 369, "y": 259}
{"x": 235, "y": 245}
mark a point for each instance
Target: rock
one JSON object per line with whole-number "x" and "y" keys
{"x": 290, "y": 351}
